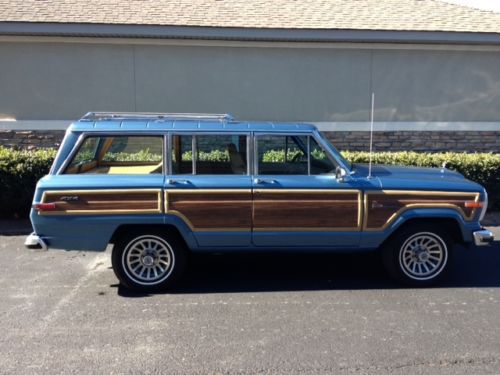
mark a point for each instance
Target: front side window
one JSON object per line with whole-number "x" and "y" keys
{"x": 292, "y": 155}
{"x": 209, "y": 154}
{"x": 118, "y": 155}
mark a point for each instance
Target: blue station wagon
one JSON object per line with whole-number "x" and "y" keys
{"x": 158, "y": 186}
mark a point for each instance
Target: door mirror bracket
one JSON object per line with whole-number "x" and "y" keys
{"x": 341, "y": 175}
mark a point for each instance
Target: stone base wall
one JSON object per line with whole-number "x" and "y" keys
{"x": 31, "y": 139}
{"x": 469, "y": 141}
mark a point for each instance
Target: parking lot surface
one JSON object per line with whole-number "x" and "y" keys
{"x": 63, "y": 312}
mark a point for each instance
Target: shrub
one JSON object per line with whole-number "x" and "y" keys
{"x": 20, "y": 170}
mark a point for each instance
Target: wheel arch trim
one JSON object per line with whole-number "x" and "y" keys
{"x": 434, "y": 214}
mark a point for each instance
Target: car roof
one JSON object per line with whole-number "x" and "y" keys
{"x": 113, "y": 125}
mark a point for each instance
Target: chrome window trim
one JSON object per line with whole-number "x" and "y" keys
{"x": 167, "y": 141}
{"x": 309, "y": 155}
{"x": 332, "y": 156}
{"x": 308, "y": 134}
{"x": 194, "y": 153}
{"x": 250, "y": 162}
{"x": 194, "y": 147}
{"x": 485, "y": 206}
{"x": 72, "y": 153}
{"x": 58, "y": 153}
{"x": 84, "y": 135}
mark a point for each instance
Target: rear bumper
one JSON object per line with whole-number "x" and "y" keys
{"x": 33, "y": 241}
{"x": 483, "y": 237}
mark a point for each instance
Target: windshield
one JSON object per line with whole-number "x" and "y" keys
{"x": 334, "y": 151}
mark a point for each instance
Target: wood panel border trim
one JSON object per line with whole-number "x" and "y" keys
{"x": 400, "y": 211}
{"x": 157, "y": 210}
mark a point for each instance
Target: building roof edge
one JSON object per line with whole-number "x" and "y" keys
{"x": 245, "y": 34}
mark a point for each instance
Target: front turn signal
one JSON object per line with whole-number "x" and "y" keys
{"x": 474, "y": 204}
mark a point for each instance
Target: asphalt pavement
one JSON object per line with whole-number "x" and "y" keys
{"x": 63, "y": 312}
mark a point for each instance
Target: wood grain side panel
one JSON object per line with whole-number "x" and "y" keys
{"x": 212, "y": 210}
{"x": 306, "y": 210}
{"x": 383, "y": 208}
{"x": 103, "y": 202}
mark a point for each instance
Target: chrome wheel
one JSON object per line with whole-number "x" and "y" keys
{"x": 148, "y": 260}
{"x": 423, "y": 256}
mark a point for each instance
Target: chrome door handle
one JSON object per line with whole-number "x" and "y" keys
{"x": 171, "y": 181}
{"x": 261, "y": 181}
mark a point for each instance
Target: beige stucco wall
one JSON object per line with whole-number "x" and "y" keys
{"x": 44, "y": 79}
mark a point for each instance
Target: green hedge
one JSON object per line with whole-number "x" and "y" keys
{"x": 20, "y": 170}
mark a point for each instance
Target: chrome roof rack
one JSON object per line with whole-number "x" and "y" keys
{"x": 98, "y": 116}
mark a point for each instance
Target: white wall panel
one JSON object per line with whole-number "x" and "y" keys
{"x": 61, "y": 81}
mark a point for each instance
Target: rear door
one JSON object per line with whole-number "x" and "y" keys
{"x": 209, "y": 187}
{"x": 298, "y": 202}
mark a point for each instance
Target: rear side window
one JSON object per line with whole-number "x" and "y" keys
{"x": 209, "y": 154}
{"x": 118, "y": 155}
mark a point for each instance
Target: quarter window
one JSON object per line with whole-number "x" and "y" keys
{"x": 119, "y": 155}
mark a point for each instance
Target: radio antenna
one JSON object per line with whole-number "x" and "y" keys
{"x": 371, "y": 136}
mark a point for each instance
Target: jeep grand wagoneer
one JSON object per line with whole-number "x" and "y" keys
{"x": 158, "y": 186}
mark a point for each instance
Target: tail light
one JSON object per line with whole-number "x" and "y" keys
{"x": 44, "y": 206}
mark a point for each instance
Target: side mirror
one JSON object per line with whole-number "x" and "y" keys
{"x": 341, "y": 174}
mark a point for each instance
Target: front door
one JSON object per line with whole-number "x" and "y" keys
{"x": 209, "y": 188}
{"x": 298, "y": 202}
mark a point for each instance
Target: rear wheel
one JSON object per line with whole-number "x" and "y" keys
{"x": 149, "y": 261}
{"x": 418, "y": 255}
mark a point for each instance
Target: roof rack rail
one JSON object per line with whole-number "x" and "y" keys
{"x": 97, "y": 116}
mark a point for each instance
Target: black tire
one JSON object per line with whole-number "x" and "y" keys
{"x": 418, "y": 255}
{"x": 149, "y": 261}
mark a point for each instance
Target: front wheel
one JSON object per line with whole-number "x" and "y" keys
{"x": 418, "y": 255}
{"x": 148, "y": 261}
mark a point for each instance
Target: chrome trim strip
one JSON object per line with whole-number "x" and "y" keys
{"x": 485, "y": 206}
{"x": 72, "y": 153}
{"x": 166, "y": 155}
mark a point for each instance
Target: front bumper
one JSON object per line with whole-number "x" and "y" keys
{"x": 33, "y": 241}
{"x": 483, "y": 237}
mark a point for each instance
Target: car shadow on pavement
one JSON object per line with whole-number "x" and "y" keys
{"x": 476, "y": 267}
